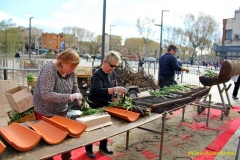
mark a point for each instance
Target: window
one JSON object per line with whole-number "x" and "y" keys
{"x": 229, "y": 34}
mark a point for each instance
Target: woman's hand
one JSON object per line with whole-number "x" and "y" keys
{"x": 121, "y": 90}
{"x": 77, "y": 96}
{"x": 83, "y": 105}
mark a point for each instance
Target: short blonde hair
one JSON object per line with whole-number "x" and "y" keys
{"x": 112, "y": 56}
{"x": 69, "y": 56}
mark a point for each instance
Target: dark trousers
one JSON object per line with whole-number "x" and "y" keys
{"x": 103, "y": 145}
{"x": 166, "y": 82}
{"x": 236, "y": 87}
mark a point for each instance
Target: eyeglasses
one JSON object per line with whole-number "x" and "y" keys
{"x": 111, "y": 65}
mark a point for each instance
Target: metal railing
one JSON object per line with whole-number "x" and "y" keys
{"x": 12, "y": 69}
{"x": 18, "y": 69}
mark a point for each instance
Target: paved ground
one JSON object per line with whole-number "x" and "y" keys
{"x": 233, "y": 142}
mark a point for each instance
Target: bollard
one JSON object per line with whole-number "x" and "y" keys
{"x": 5, "y": 73}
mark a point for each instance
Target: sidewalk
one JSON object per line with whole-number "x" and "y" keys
{"x": 232, "y": 144}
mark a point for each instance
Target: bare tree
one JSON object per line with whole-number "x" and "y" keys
{"x": 145, "y": 28}
{"x": 210, "y": 46}
{"x": 134, "y": 45}
{"x": 69, "y": 36}
{"x": 116, "y": 42}
{"x": 9, "y": 37}
{"x": 203, "y": 45}
{"x": 199, "y": 29}
{"x": 183, "y": 45}
{"x": 93, "y": 43}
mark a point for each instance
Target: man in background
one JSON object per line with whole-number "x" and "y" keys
{"x": 167, "y": 67}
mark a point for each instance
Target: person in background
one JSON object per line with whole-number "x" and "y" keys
{"x": 191, "y": 62}
{"x": 56, "y": 86}
{"x": 167, "y": 67}
{"x": 179, "y": 63}
{"x": 236, "y": 80}
{"x": 220, "y": 64}
{"x": 17, "y": 56}
{"x": 140, "y": 61}
{"x": 104, "y": 86}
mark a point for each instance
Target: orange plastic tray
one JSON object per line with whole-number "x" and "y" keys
{"x": 50, "y": 133}
{"x": 2, "y": 147}
{"x": 20, "y": 137}
{"x": 74, "y": 128}
{"x": 123, "y": 114}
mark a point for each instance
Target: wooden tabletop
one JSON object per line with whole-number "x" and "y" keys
{"x": 44, "y": 150}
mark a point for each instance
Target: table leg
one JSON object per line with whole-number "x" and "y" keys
{"x": 209, "y": 104}
{"x": 162, "y": 134}
{"x": 183, "y": 112}
{"x": 127, "y": 140}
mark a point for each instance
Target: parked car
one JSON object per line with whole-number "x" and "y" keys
{"x": 99, "y": 56}
{"x": 87, "y": 56}
{"x": 150, "y": 59}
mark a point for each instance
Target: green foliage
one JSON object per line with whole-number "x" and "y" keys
{"x": 90, "y": 111}
{"x": 16, "y": 116}
{"x": 172, "y": 88}
{"x": 126, "y": 102}
{"x": 31, "y": 77}
{"x": 210, "y": 74}
{"x": 123, "y": 102}
{"x": 10, "y": 40}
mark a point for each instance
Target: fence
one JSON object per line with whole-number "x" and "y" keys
{"x": 17, "y": 70}
{"x": 12, "y": 69}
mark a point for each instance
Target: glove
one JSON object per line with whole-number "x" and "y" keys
{"x": 121, "y": 90}
{"x": 77, "y": 96}
{"x": 83, "y": 105}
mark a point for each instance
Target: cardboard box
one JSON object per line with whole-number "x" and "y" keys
{"x": 19, "y": 98}
{"x": 6, "y": 85}
{"x": 4, "y": 109}
{"x": 95, "y": 121}
{"x": 3, "y": 112}
{"x": 83, "y": 70}
{"x": 4, "y": 121}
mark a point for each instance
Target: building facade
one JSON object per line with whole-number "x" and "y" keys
{"x": 52, "y": 41}
{"x": 230, "y": 48}
{"x": 231, "y": 30}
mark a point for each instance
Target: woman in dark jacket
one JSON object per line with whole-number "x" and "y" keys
{"x": 104, "y": 85}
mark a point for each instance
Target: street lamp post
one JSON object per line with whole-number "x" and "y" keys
{"x": 160, "y": 46}
{"x": 103, "y": 30}
{"x": 160, "y": 49}
{"x": 29, "y": 46}
{"x": 110, "y": 38}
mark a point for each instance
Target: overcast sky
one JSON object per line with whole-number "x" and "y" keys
{"x": 53, "y": 15}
